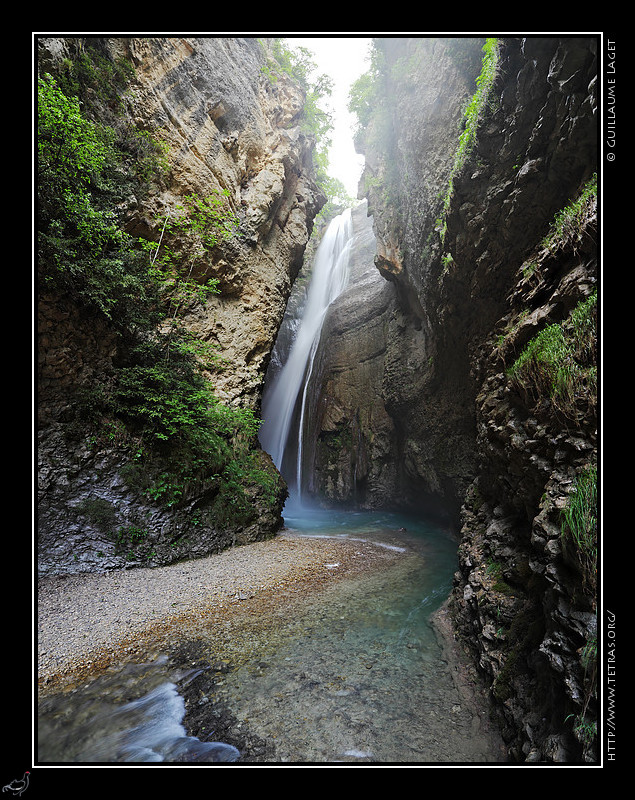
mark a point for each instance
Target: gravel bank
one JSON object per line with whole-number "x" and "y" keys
{"x": 87, "y": 623}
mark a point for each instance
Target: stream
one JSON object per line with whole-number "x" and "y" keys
{"x": 353, "y": 675}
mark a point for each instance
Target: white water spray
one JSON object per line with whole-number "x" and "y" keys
{"x": 148, "y": 729}
{"x": 329, "y": 278}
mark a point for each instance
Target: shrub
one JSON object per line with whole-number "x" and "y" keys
{"x": 314, "y": 119}
{"x": 177, "y": 433}
{"x": 82, "y": 251}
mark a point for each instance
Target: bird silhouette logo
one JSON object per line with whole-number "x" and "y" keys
{"x": 17, "y": 786}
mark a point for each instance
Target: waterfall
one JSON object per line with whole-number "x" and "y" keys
{"x": 285, "y": 400}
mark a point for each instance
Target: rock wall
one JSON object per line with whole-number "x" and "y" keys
{"x": 227, "y": 127}
{"x": 383, "y": 434}
{"x": 475, "y": 284}
{"x": 350, "y": 445}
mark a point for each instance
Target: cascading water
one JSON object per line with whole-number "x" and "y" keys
{"x": 285, "y": 400}
{"x": 107, "y": 727}
{"x": 352, "y": 674}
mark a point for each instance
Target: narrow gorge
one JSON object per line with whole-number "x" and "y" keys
{"x": 197, "y": 398}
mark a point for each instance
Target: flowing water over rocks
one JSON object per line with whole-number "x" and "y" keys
{"x": 284, "y": 401}
{"x": 352, "y": 673}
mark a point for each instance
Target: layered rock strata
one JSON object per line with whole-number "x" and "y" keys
{"x": 227, "y": 129}
{"x": 350, "y": 452}
{"x": 476, "y": 284}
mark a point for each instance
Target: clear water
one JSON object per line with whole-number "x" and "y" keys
{"x": 353, "y": 674}
{"x": 133, "y": 715}
{"x": 357, "y": 675}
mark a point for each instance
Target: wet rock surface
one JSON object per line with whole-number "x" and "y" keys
{"x": 478, "y": 290}
{"x": 322, "y": 668}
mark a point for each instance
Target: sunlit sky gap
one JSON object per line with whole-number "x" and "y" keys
{"x": 343, "y": 59}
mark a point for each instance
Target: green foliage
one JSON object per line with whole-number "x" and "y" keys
{"x": 579, "y": 522}
{"x": 128, "y": 539}
{"x": 559, "y": 362}
{"x": 338, "y": 199}
{"x": 297, "y": 64}
{"x": 71, "y": 149}
{"x": 206, "y": 218}
{"x": 185, "y": 438}
{"x": 569, "y": 224}
{"x": 82, "y": 250}
{"x": 370, "y": 100}
{"x": 364, "y": 97}
{"x": 315, "y": 120}
{"x": 188, "y": 235}
{"x": 188, "y": 438}
{"x": 474, "y": 112}
{"x": 159, "y": 400}
{"x": 91, "y": 74}
{"x": 233, "y": 504}
{"x": 495, "y": 570}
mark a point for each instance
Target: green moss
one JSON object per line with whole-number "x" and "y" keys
{"x": 495, "y": 571}
{"x": 524, "y": 635}
{"x": 502, "y": 688}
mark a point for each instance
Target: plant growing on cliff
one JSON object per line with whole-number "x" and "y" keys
{"x": 472, "y": 117}
{"x": 298, "y": 64}
{"x": 579, "y": 523}
{"x": 478, "y": 103}
{"x": 189, "y": 233}
{"x": 93, "y": 76}
{"x": 187, "y": 437}
{"x": 364, "y": 96}
{"x": 82, "y": 251}
{"x": 558, "y": 364}
{"x": 569, "y": 224}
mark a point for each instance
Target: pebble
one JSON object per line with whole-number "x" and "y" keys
{"x": 91, "y": 621}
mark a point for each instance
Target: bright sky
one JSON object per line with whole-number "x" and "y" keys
{"x": 344, "y": 59}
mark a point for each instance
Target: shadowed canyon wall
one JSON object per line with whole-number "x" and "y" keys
{"x": 495, "y": 271}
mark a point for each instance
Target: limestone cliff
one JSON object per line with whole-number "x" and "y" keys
{"x": 482, "y": 282}
{"x": 350, "y": 440}
{"x": 228, "y": 130}
{"x": 395, "y": 424}
{"x": 460, "y": 364}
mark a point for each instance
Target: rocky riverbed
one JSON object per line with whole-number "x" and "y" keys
{"x": 94, "y": 621}
{"x": 208, "y": 620}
